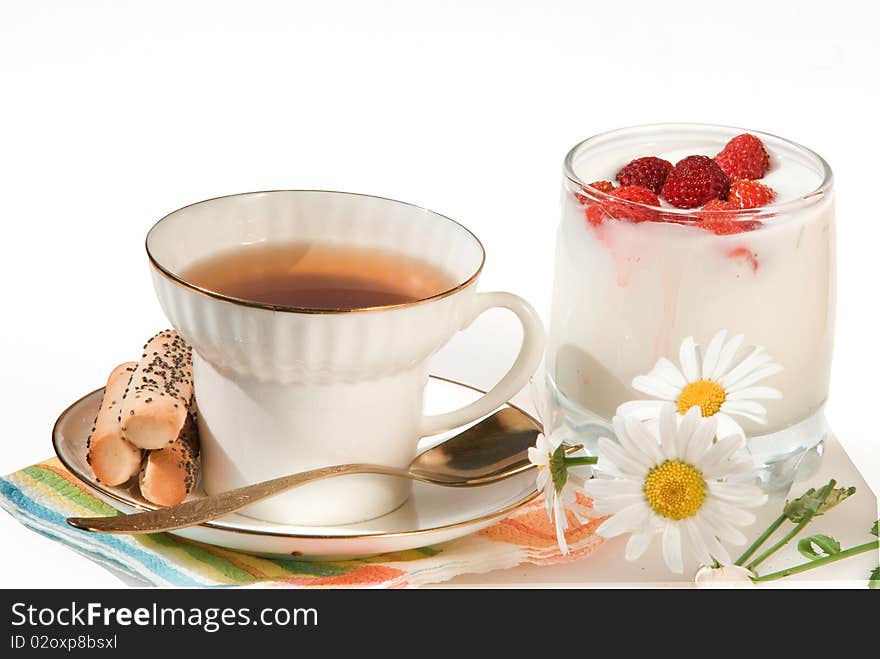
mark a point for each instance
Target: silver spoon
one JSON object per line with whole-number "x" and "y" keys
{"x": 493, "y": 449}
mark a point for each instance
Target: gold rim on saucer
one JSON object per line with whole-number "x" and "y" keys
{"x": 219, "y": 526}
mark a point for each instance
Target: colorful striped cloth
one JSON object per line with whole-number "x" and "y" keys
{"x": 42, "y": 496}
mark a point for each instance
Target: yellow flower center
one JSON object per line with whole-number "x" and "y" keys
{"x": 675, "y": 489}
{"x": 705, "y": 394}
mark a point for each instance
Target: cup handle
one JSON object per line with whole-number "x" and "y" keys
{"x": 526, "y": 363}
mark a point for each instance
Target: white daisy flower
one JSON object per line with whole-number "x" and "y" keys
{"x": 558, "y": 485}
{"x": 554, "y": 479}
{"x": 716, "y": 381}
{"x": 672, "y": 481}
{"x": 541, "y": 455}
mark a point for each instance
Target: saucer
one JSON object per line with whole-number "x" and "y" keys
{"x": 432, "y": 514}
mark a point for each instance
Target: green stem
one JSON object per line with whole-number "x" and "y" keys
{"x": 823, "y": 494}
{"x": 761, "y": 539}
{"x": 581, "y": 460}
{"x": 819, "y": 562}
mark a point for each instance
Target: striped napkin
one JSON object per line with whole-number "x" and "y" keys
{"x": 43, "y": 495}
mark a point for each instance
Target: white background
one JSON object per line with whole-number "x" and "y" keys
{"x": 114, "y": 113}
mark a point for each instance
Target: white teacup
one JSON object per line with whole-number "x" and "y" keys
{"x": 282, "y": 390}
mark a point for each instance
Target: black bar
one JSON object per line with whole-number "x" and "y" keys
{"x": 256, "y": 621}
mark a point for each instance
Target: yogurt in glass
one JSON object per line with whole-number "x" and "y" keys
{"x": 627, "y": 293}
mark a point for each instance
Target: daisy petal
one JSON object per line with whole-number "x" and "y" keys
{"x": 755, "y": 359}
{"x": 635, "y": 447}
{"x": 543, "y": 479}
{"x": 672, "y": 548}
{"x": 740, "y": 494}
{"x": 716, "y": 549}
{"x": 669, "y": 432}
{"x": 610, "y": 470}
{"x": 686, "y": 429}
{"x": 756, "y": 376}
{"x": 721, "y": 528}
{"x": 538, "y": 457}
{"x": 668, "y": 372}
{"x": 719, "y": 452}
{"x": 725, "y": 359}
{"x": 733, "y": 411}
{"x": 654, "y": 386}
{"x": 690, "y": 359}
{"x": 755, "y": 393}
{"x": 725, "y": 469}
{"x": 612, "y": 506}
{"x": 608, "y": 450}
{"x": 732, "y": 514}
{"x": 560, "y": 540}
{"x": 638, "y": 543}
{"x": 542, "y": 444}
{"x": 608, "y": 488}
{"x": 728, "y": 426}
{"x": 725, "y": 532}
{"x": 701, "y": 440}
{"x": 561, "y": 522}
{"x": 713, "y": 352}
{"x": 637, "y": 434}
{"x": 549, "y": 501}
{"x": 745, "y": 406}
{"x": 554, "y": 439}
{"x": 559, "y": 516}
{"x": 697, "y": 543}
{"x": 632, "y": 518}
{"x": 643, "y": 410}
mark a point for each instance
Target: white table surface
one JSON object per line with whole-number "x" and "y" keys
{"x": 35, "y": 561}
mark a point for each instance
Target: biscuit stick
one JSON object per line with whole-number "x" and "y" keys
{"x": 113, "y": 458}
{"x": 157, "y": 401}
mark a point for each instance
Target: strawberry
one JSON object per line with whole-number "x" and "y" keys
{"x": 710, "y": 216}
{"x": 721, "y": 225}
{"x": 636, "y": 193}
{"x": 694, "y": 181}
{"x": 634, "y": 211}
{"x": 716, "y": 205}
{"x": 601, "y": 186}
{"x": 595, "y": 215}
{"x": 750, "y": 194}
{"x": 648, "y": 172}
{"x": 714, "y": 218}
{"x": 744, "y": 157}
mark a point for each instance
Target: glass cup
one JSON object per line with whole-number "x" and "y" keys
{"x": 632, "y": 282}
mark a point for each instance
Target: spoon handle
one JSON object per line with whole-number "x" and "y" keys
{"x": 197, "y": 511}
